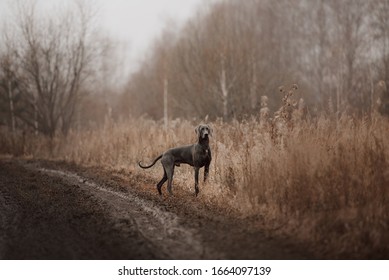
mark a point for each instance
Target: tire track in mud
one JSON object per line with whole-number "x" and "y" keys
{"x": 57, "y": 210}
{"x": 46, "y": 217}
{"x": 161, "y": 228}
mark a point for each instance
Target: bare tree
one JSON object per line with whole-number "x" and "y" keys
{"x": 232, "y": 52}
{"x": 379, "y": 25}
{"x": 55, "y": 56}
{"x": 12, "y": 88}
{"x": 7, "y": 77}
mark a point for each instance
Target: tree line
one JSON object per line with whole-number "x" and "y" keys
{"x": 233, "y": 52}
{"x": 57, "y": 71}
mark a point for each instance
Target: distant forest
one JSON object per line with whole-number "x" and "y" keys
{"x": 59, "y": 73}
{"x": 233, "y": 52}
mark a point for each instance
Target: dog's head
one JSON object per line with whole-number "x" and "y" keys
{"x": 203, "y": 131}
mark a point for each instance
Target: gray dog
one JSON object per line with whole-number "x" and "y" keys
{"x": 196, "y": 155}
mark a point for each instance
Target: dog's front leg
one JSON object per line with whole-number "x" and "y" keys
{"x": 197, "y": 169}
{"x": 206, "y": 172}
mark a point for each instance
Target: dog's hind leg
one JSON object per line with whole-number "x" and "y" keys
{"x": 163, "y": 180}
{"x": 168, "y": 166}
{"x": 170, "y": 172}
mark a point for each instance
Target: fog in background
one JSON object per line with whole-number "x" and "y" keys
{"x": 71, "y": 66}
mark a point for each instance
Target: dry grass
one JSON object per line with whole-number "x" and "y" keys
{"x": 324, "y": 181}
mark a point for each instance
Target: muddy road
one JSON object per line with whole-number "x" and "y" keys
{"x": 51, "y": 210}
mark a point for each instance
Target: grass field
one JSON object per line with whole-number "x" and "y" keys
{"x": 322, "y": 180}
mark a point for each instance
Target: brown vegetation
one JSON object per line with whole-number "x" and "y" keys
{"x": 322, "y": 180}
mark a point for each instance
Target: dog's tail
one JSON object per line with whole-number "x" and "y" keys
{"x": 145, "y": 167}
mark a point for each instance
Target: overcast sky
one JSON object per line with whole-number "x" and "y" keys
{"x": 135, "y": 23}
{"x": 138, "y": 22}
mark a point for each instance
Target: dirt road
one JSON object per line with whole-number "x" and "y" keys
{"x": 51, "y": 210}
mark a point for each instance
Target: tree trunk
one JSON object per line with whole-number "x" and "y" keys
{"x": 11, "y": 106}
{"x": 35, "y": 116}
{"x": 165, "y": 91}
{"x": 253, "y": 87}
{"x": 224, "y": 90}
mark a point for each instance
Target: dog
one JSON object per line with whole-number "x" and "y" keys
{"x": 197, "y": 155}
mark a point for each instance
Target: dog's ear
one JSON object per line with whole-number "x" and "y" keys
{"x": 197, "y": 130}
